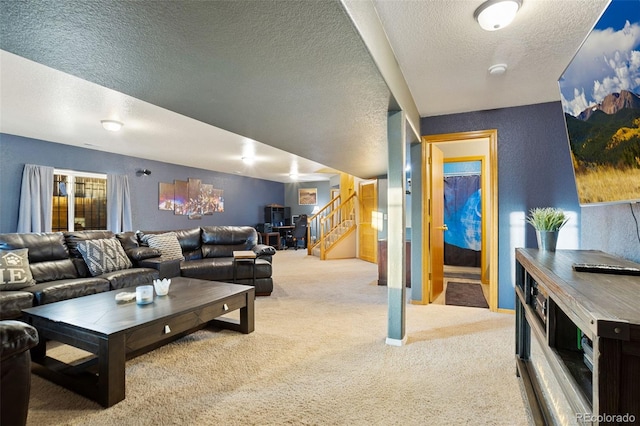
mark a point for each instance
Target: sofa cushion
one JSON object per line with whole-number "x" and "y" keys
{"x": 167, "y": 243}
{"x": 13, "y": 302}
{"x": 222, "y": 241}
{"x": 62, "y": 269}
{"x": 130, "y": 277}
{"x": 15, "y": 273}
{"x": 129, "y": 242}
{"x": 143, "y": 253}
{"x": 189, "y": 240}
{"x": 72, "y": 238}
{"x": 221, "y": 269}
{"x": 103, "y": 255}
{"x": 55, "y": 291}
{"x": 48, "y": 254}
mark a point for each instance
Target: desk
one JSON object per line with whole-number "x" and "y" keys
{"x": 282, "y": 231}
{"x": 268, "y": 236}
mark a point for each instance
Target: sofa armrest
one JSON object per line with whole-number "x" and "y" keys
{"x": 16, "y": 337}
{"x": 142, "y": 253}
{"x": 166, "y": 268}
{"x": 264, "y": 250}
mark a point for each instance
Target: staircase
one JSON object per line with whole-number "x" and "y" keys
{"x": 331, "y": 232}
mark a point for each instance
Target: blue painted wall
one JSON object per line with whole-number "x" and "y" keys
{"x": 291, "y": 196}
{"x": 245, "y": 198}
{"x": 534, "y": 170}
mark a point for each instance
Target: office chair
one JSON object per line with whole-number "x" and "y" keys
{"x": 300, "y": 232}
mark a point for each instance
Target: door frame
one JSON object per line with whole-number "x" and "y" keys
{"x": 484, "y": 254}
{"x": 489, "y": 137}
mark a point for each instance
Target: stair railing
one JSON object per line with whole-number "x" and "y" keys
{"x": 314, "y": 224}
{"x": 327, "y": 220}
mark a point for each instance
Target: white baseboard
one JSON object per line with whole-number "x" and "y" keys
{"x": 396, "y": 342}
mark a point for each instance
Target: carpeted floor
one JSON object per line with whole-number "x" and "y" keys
{"x": 465, "y": 294}
{"x": 317, "y": 357}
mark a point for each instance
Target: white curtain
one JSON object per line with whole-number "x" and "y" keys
{"x": 36, "y": 198}
{"x": 118, "y": 203}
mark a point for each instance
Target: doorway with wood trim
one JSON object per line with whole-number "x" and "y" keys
{"x": 480, "y": 146}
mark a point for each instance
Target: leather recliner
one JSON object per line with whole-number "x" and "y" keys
{"x": 16, "y": 338}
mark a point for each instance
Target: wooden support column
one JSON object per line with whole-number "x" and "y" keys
{"x": 396, "y": 263}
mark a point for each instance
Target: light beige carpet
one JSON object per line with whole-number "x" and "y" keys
{"x": 317, "y": 357}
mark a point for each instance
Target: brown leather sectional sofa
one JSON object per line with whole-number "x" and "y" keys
{"x": 60, "y": 272}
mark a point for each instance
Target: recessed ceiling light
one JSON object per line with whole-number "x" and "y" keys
{"x": 494, "y": 15}
{"x": 111, "y": 125}
{"x": 248, "y": 160}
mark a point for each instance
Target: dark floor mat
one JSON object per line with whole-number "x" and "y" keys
{"x": 461, "y": 294}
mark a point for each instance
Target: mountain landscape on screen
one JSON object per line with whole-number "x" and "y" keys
{"x": 608, "y": 133}
{"x": 599, "y": 93}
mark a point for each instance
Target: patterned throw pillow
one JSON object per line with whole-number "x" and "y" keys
{"x": 15, "y": 273}
{"x": 168, "y": 245}
{"x": 103, "y": 255}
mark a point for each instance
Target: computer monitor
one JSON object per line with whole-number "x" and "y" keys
{"x": 277, "y": 218}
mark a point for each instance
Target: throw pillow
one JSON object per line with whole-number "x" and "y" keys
{"x": 15, "y": 273}
{"x": 103, "y": 255}
{"x": 168, "y": 245}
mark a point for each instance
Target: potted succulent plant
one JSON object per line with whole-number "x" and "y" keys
{"x": 547, "y": 222}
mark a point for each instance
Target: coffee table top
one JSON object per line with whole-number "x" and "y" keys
{"x": 100, "y": 312}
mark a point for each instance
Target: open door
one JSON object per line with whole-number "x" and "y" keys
{"x": 436, "y": 227}
{"x": 475, "y": 144}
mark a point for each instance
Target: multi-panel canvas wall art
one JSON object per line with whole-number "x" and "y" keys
{"x": 190, "y": 198}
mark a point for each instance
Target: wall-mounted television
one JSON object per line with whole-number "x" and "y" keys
{"x": 600, "y": 95}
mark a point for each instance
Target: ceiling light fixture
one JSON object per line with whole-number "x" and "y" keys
{"x": 498, "y": 69}
{"x": 248, "y": 160}
{"x": 494, "y": 15}
{"x": 111, "y": 125}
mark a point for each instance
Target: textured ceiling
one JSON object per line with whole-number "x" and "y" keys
{"x": 445, "y": 55}
{"x": 292, "y": 75}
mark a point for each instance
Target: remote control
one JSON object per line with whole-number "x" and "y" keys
{"x": 606, "y": 269}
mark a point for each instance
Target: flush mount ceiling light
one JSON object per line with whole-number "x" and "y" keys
{"x": 498, "y": 69}
{"x": 111, "y": 125}
{"x": 494, "y": 15}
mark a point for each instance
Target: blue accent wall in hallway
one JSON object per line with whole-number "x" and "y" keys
{"x": 534, "y": 170}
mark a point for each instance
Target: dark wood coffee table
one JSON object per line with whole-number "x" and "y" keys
{"x": 115, "y": 332}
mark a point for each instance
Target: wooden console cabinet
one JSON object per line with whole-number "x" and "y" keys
{"x": 382, "y": 262}
{"x": 577, "y": 338}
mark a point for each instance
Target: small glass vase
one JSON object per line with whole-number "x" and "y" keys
{"x": 547, "y": 240}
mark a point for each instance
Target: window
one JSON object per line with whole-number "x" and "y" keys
{"x": 79, "y": 201}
